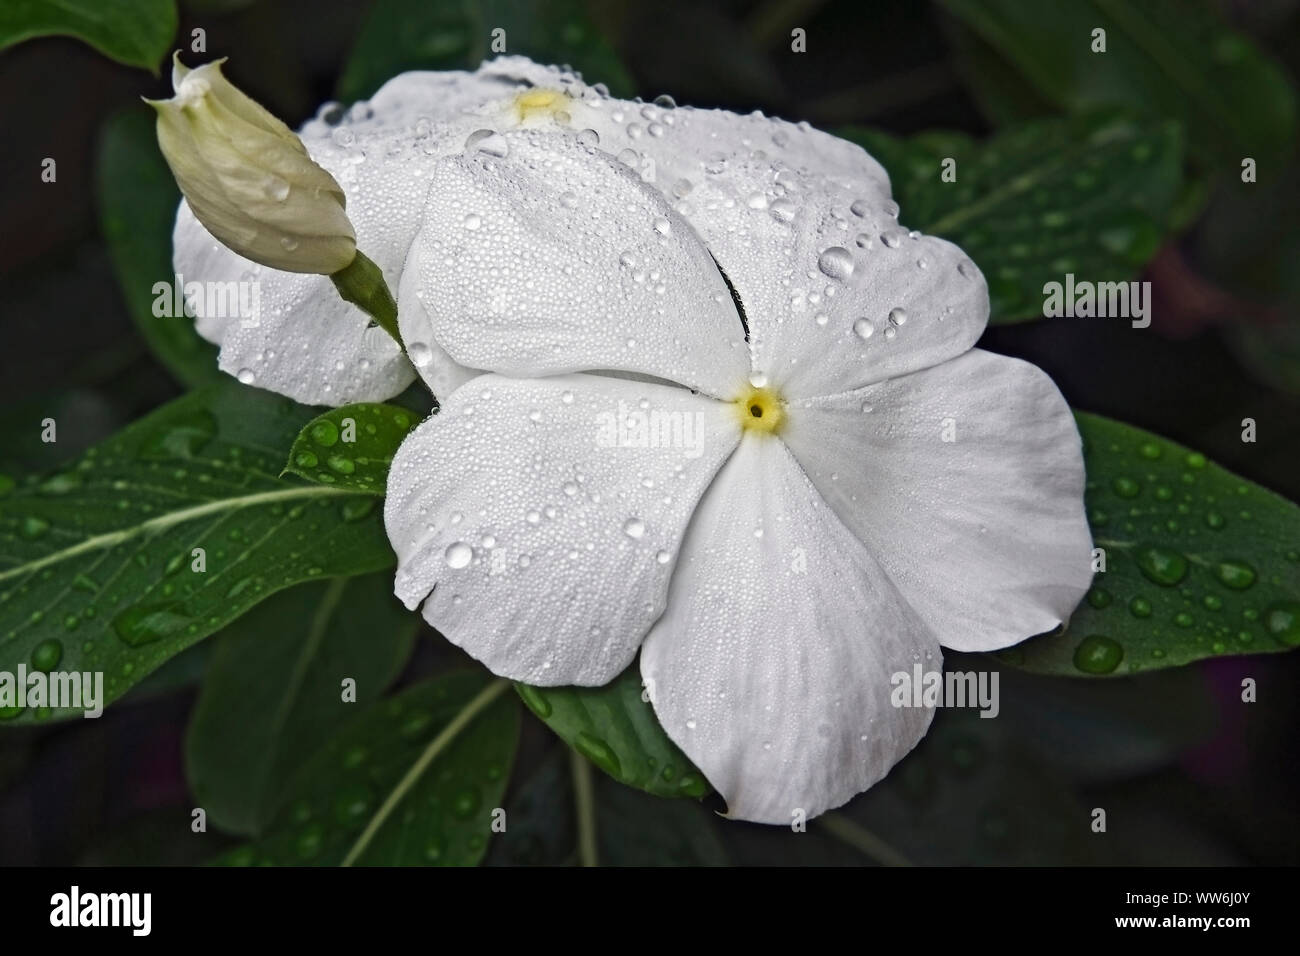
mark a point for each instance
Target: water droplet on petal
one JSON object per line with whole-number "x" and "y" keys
{"x": 487, "y": 141}
{"x": 836, "y": 262}
{"x": 276, "y": 188}
{"x": 458, "y": 554}
{"x": 421, "y": 355}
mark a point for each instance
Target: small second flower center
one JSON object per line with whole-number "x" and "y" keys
{"x": 540, "y": 103}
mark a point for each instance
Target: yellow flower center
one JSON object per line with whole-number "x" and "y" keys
{"x": 540, "y": 103}
{"x": 760, "y": 410}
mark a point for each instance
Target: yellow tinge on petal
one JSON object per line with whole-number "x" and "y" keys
{"x": 249, "y": 179}
{"x": 760, "y": 410}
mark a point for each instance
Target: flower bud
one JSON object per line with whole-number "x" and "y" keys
{"x": 248, "y": 177}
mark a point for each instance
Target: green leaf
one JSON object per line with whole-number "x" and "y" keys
{"x": 1170, "y": 58}
{"x": 1199, "y": 563}
{"x": 410, "y": 781}
{"x": 273, "y": 691}
{"x": 134, "y": 32}
{"x": 616, "y": 729}
{"x": 1089, "y": 195}
{"x": 402, "y": 35}
{"x": 137, "y": 199}
{"x": 97, "y": 568}
{"x": 351, "y": 446}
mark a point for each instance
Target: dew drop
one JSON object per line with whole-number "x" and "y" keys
{"x": 782, "y": 210}
{"x": 836, "y": 262}
{"x": 1161, "y": 565}
{"x": 1282, "y": 620}
{"x": 47, "y": 654}
{"x": 487, "y": 141}
{"x": 458, "y": 555}
{"x": 1236, "y": 575}
{"x": 1098, "y": 654}
{"x": 421, "y": 355}
{"x": 276, "y": 188}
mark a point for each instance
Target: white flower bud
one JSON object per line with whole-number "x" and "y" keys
{"x": 248, "y": 177}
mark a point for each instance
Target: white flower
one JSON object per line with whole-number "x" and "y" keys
{"x": 765, "y": 503}
{"x": 248, "y": 178}
{"x": 782, "y": 526}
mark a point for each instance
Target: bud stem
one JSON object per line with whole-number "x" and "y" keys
{"x": 361, "y": 282}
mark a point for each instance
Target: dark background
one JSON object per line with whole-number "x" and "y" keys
{"x": 1187, "y": 773}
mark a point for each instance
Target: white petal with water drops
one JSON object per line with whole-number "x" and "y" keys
{"x": 540, "y": 285}
{"x": 537, "y": 534}
{"x": 984, "y": 534}
{"x": 780, "y": 264}
{"x": 772, "y": 664}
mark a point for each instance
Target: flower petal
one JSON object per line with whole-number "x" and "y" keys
{"x": 771, "y": 666}
{"x": 966, "y": 483}
{"x": 837, "y": 295}
{"x": 545, "y": 533}
{"x": 675, "y": 147}
{"x": 554, "y": 258}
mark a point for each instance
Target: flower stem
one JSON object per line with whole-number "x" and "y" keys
{"x": 361, "y": 282}
{"x": 436, "y": 746}
{"x": 584, "y": 798}
{"x": 861, "y": 839}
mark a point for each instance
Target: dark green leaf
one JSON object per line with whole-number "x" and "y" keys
{"x": 97, "y": 570}
{"x": 351, "y": 446}
{"x": 402, "y": 35}
{"x": 615, "y": 727}
{"x": 273, "y": 691}
{"x": 1088, "y": 195}
{"x": 971, "y": 794}
{"x": 181, "y": 672}
{"x": 1199, "y": 563}
{"x": 1171, "y": 58}
{"x": 137, "y": 208}
{"x": 632, "y": 828}
{"x": 134, "y": 32}
{"x": 638, "y": 830}
{"x": 410, "y": 781}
